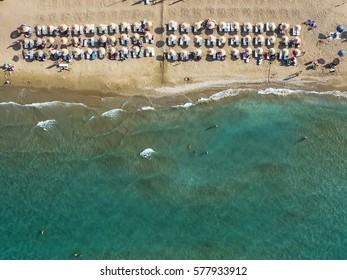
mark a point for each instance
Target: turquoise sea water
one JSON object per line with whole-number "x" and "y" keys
{"x": 260, "y": 192}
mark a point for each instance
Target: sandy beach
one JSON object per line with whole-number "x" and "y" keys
{"x": 155, "y": 75}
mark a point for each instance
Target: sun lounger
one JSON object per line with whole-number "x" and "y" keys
{"x": 260, "y": 60}
{"x": 31, "y": 44}
{"x": 171, "y": 57}
{"x": 31, "y": 55}
{"x": 267, "y": 26}
{"x": 220, "y": 29}
{"x": 92, "y": 29}
{"x": 219, "y": 43}
{"x": 236, "y": 55}
{"x": 214, "y": 56}
{"x": 92, "y": 42}
{"x": 38, "y": 31}
{"x": 25, "y": 45}
{"x": 150, "y": 53}
{"x": 256, "y": 53}
{"x": 280, "y": 55}
{"x": 44, "y": 30}
{"x": 231, "y": 28}
{"x": 25, "y": 54}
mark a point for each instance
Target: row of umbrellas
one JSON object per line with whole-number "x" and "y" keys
{"x": 223, "y": 39}
{"x": 76, "y": 27}
{"x": 112, "y": 50}
{"x": 248, "y": 51}
{"x": 235, "y": 25}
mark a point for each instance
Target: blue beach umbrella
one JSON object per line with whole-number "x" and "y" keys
{"x": 341, "y": 53}
{"x": 339, "y": 28}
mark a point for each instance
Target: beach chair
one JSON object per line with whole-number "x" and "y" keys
{"x": 180, "y": 42}
{"x": 260, "y": 60}
{"x": 245, "y": 29}
{"x": 31, "y": 55}
{"x": 84, "y": 42}
{"x": 231, "y": 29}
{"x": 280, "y": 55}
{"x": 81, "y": 29}
{"x": 267, "y": 26}
{"x": 92, "y": 29}
{"x": 220, "y": 29}
{"x": 31, "y": 44}
{"x": 214, "y": 56}
{"x": 44, "y": 30}
{"x": 25, "y": 44}
{"x": 236, "y": 55}
{"x": 219, "y": 43}
{"x": 25, "y": 54}
{"x": 92, "y": 42}
{"x": 81, "y": 54}
{"x": 243, "y": 41}
{"x": 38, "y": 31}
{"x": 256, "y": 53}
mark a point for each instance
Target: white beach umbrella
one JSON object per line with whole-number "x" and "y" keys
{"x": 198, "y": 25}
{"x": 51, "y": 28}
{"x": 136, "y": 36}
{"x": 125, "y": 50}
{"x": 50, "y": 40}
{"x": 248, "y": 25}
{"x": 74, "y": 40}
{"x": 63, "y": 41}
{"x": 285, "y": 52}
{"x": 248, "y": 38}
{"x": 261, "y": 39}
{"x": 222, "y": 52}
{"x": 89, "y": 51}
{"x": 236, "y": 26}
{"x": 148, "y": 35}
{"x": 185, "y": 38}
{"x": 75, "y": 27}
{"x": 297, "y": 40}
{"x": 124, "y": 24}
{"x": 26, "y": 41}
{"x": 298, "y": 27}
{"x": 198, "y": 52}
{"x": 272, "y": 39}
{"x": 103, "y": 39}
{"x": 172, "y": 37}
{"x": 235, "y": 38}
{"x": 87, "y": 27}
{"x": 102, "y": 50}
{"x": 77, "y": 51}
{"x": 297, "y": 52}
{"x": 260, "y": 25}
{"x": 113, "y": 25}
{"x": 102, "y": 27}
{"x": 172, "y": 52}
{"x": 136, "y": 49}
{"x": 149, "y": 49}
{"x": 197, "y": 38}
{"x": 63, "y": 27}
{"x": 39, "y": 53}
{"x": 222, "y": 39}
{"x": 260, "y": 50}
{"x": 173, "y": 24}
{"x": 211, "y": 25}
{"x": 222, "y": 24}
{"x": 136, "y": 25}
{"x": 113, "y": 39}
{"x": 38, "y": 28}
{"x": 112, "y": 50}
{"x": 184, "y": 53}
{"x": 235, "y": 52}
{"x": 124, "y": 37}
{"x": 149, "y": 24}
{"x": 248, "y": 50}
{"x": 285, "y": 26}
{"x": 272, "y": 26}
{"x": 285, "y": 39}
{"x": 272, "y": 51}
{"x": 211, "y": 51}
{"x": 211, "y": 38}
{"x": 65, "y": 51}
{"x": 38, "y": 41}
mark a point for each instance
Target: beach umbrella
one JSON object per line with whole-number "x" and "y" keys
{"x": 198, "y": 52}
{"x": 125, "y": 50}
{"x": 50, "y": 40}
{"x": 89, "y": 51}
{"x": 136, "y": 36}
{"x": 65, "y": 51}
{"x": 124, "y": 37}
{"x": 87, "y": 27}
{"x": 272, "y": 39}
{"x": 235, "y": 52}
{"x": 222, "y": 52}
{"x": 260, "y": 50}
{"x": 172, "y": 38}
{"x": 75, "y": 40}
{"x": 149, "y": 24}
{"x": 102, "y": 27}
{"x": 222, "y": 25}
{"x": 197, "y": 38}
{"x": 222, "y": 39}
{"x": 297, "y": 40}
{"x": 102, "y": 50}
{"x": 113, "y": 39}
{"x": 272, "y": 51}
{"x": 285, "y": 26}
{"x": 26, "y": 41}
{"x": 341, "y": 53}
{"x": 272, "y": 26}
{"x": 198, "y": 24}
{"x": 211, "y": 38}
{"x": 296, "y": 52}
{"x": 136, "y": 49}
{"x": 339, "y": 28}
{"x": 63, "y": 27}
{"x": 136, "y": 25}
{"x": 298, "y": 27}
{"x": 103, "y": 38}
{"x": 236, "y": 38}
{"x": 52, "y": 51}
{"x": 236, "y": 26}
{"x": 248, "y": 50}
{"x": 260, "y": 25}
{"x": 63, "y": 41}
{"x": 113, "y": 25}
{"x": 248, "y": 38}
{"x": 76, "y": 27}
{"x": 185, "y": 38}
{"x": 173, "y": 24}
{"x": 112, "y": 50}
{"x": 285, "y": 52}
{"x": 149, "y": 49}
{"x": 211, "y": 51}
{"x": 38, "y": 28}
{"x": 148, "y": 35}
{"x": 25, "y": 29}
{"x": 261, "y": 39}
{"x": 285, "y": 39}
{"x": 185, "y": 25}
{"x": 39, "y": 53}
{"x": 124, "y": 25}
{"x": 184, "y": 53}
{"x": 77, "y": 51}
{"x": 51, "y": 28}
{"x": 172, "y": 52}
{"x": 248, "y": 25}
{"x": 38, "y": 42}
{"x": 211, "y": 25}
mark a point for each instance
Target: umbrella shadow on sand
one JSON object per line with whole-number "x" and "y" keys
{"x": 15, "y": 34}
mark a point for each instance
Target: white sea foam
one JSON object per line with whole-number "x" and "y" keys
{"x": 112, "y": 113}
{"x": 54, "y": 104}
{"x": 46, "y": 125}
{"x": 147, "y": 153}
{"x": 286, "y": 92}
{"x": 185, "y": 106}
{"x": 219, "y": 95}
{"x": 146, "y": 108}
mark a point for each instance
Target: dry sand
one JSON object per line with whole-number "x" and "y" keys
{"x": 155, "y": 76}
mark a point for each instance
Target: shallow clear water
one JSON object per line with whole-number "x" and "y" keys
{"x": 260, "y": 192}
